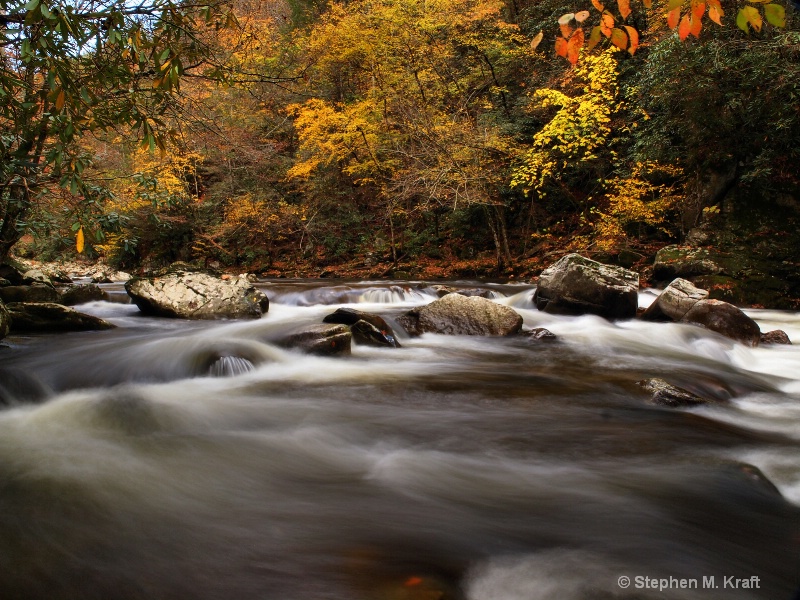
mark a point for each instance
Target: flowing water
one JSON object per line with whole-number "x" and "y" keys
{"x": 169, "y": 459}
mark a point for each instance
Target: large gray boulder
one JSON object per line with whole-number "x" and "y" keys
{"x": 725, "y": 319}
{"x": 677, "y": 261}
{"x": 455, "y": 314}
{"x": 197, "y": 295}
{"x": 5, "y": 320}
{"x": 675, "y": 301}
{"x": 47, "y": 317}
{"x": 576, "y": 285}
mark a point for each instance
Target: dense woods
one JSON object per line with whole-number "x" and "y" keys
{"x": 436, "y": 137}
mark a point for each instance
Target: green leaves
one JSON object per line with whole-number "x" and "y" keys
{"x": 776, "y": 15}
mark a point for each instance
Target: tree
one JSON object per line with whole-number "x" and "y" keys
{"x": 74, "y": 68}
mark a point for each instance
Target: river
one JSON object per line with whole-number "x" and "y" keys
{"x": 457, "y": 468}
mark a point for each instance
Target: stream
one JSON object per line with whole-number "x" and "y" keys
{"x": 452, "y": 468}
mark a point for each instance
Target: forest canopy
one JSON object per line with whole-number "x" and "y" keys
{"x": 303, "y": 134}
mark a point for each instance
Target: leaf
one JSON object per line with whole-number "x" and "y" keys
{"x": 598, "y": 5}
{"x": 673, "y": 4}
{"x": 741, "y": 20}
{"x": 685, "y": 27}
{"x": 564, "y": 23}
{"x": 79, "y": 241}
{"x": 753, "y": 17}
{"x": 776, "y": 15}
{"x": 537, "y": 40}
{"x": 698, "y": 10}
{"x": 624, "y": 8}
{"x": 715, "y": 14}
{"x": 574, "y": 46}
{"x": 695, "y": 25}
{"x": 607, "y": 23}
{"x": 32, "y": 5}
{"x": 595, "y": 37}
{"x": 561, "y": 47}
{"x": 60, "y": 99}
{"x": 634, "y": 39}
{"x": 619, "y": 38}
{"x": 580, "y": 17}
{"x": 673, "y": 17}
{"x": 648, "y": 3}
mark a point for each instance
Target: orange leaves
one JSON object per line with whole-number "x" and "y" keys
{"x": 624, "y": 8}
{"x": 715, "y": 11}
{"x": 691, "y": 23}
{"x": 619, "y": 38}
{"x": 569, "y": 46}
{"x": 79, "y": 241}
{"x": 673, "y": 17}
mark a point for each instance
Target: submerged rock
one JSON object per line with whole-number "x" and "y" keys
{"x": 540, "y": 334}
{"x": 367, "y": 328}
{"x": 674, "y": 302}
{"x": 230, "y": 366}
{"x": 20, "y": 387}
{"x": 30, "y": 317}
{"x": 455, "y": 314}
{"x": 777, "y": 337}
{"x": 576, "y": 286}
{"x": 80, "y": 294}
{"x": 725, "y": 319}
{"x": 666, "y": 394}
{"x": 197, "y": 295}
{"x": 322, "y": 340}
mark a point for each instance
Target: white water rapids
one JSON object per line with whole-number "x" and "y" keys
{"x": 453, "y": 467}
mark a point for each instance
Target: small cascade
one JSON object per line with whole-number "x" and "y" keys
{"x": 230, "y": 366}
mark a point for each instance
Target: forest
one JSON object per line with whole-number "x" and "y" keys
{"x": 426, "y": 138}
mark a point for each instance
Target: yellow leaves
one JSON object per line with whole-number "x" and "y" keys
{"x": 578, "y": 132}
{"x": 79, "y": 241}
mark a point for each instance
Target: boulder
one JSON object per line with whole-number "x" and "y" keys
{"x": 725, "y": 319}
{"x": 443, "y": 290}
{"x": 80, "y": 294}
{"x": 37, "y": 292}
{"x": 367, "y": 328}
{"x": 36, "y": 276}
{"x": 197, "y": 295}
{"x": 675, "y": 301}
{"x": 33, "y": 317}
{"x": 323, "y": 340}
{"x": 5, "y": 320}
{"x": 576, "y": 285}
{"x": 666, "y": 394}
{"x": 778, "y": 336}
{"x": 675, "y": 261}
{"x": 455, "y": 314}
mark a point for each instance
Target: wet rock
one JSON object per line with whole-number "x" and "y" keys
{"x": 455, "y": 314}
{"x": 80, "y": 294}
{"x": 778, "y": 336}
{"x": 197, "y": 295}
{"x": 322, "y": 340}
{"x": 674, "y": 302}
{"x": 37, "y": 292}
{"x": 379, "y": 333}
{"x": 674, "y": 261}
{"x": 369, "y": 335}
{"x": 5, "y": 320}
{"x": 725, "y": 319}
{"x": 576, "y": 285}
{"x": 540, "y": 334}
{"x": 666, "y": 394}
{"x": 30, "y": 317}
